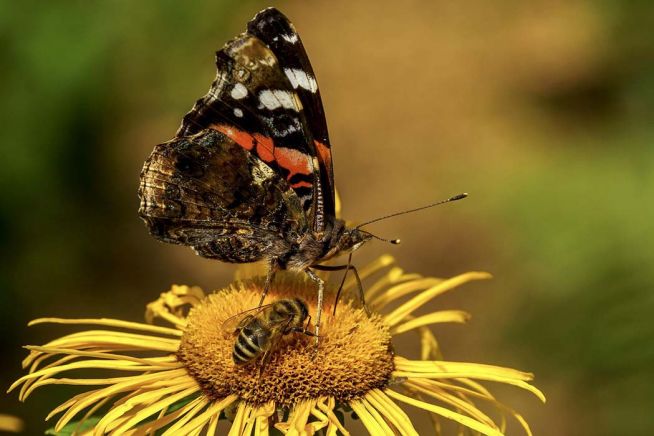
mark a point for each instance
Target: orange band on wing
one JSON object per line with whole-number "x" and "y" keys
{"x": 294, "y": 161}
{"x": 301, "y": 184}
{"x": 265, "y": 147}
{"x": 325, "y": 153}
{"x": 244, "y": 139}
{"x": 290, "y": 159}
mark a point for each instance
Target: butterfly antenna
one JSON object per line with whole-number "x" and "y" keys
{"x": 454, "y": 198}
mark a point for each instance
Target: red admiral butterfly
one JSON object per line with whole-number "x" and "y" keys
{"x": 248, "y": 176}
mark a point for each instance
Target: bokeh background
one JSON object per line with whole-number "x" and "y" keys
{"x": 543, "y": 111}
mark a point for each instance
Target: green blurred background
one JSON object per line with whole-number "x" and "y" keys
{"x": 543, "y": 111}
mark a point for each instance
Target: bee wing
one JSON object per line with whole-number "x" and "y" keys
{"x": 284, "y": 322}
{"x": 236, "y": 322}
{"x": 274, "y": 340}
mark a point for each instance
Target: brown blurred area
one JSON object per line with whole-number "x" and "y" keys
{"x": 541, "y": 111}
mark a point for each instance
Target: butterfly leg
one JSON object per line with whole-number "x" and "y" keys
{"x": 347, "y": 268}
{"x": 272, "y": 269}
{"x": 321, "y": 291}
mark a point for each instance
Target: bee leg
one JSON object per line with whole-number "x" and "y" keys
{"x": 264, "y": 361}
{"x": 303, "y": 331}
{"x": 272, "y": 269}
{"x": 321, "y": 291}
{"x": 306, "y": 327}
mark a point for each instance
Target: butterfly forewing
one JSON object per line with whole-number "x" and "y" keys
{"x": 253, "y": 101}
{"x": 275, "y": 30}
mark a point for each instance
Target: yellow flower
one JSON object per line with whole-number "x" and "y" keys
{"x": 182, "y": 380}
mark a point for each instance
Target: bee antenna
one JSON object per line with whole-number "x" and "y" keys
{"x": 391, "y": 241}
{"x": 454, "y": 198}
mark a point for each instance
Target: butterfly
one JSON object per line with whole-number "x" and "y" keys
{"x": 248, "y": 176}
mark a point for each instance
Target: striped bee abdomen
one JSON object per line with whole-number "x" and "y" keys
{"x": 252, "y": 340}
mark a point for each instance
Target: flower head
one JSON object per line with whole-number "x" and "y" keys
{"x": 182, "y": 379}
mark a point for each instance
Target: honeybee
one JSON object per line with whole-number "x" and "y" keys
{"x": 259, "y": 329}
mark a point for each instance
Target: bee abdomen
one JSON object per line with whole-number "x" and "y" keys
{"x": 245, "y": 349}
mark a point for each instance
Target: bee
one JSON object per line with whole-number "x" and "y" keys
{"x": 261, "y": 328}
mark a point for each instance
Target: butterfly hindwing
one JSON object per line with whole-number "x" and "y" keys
{"x": 207, "y": 191}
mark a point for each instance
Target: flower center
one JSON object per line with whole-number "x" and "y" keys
{"x": 354, "y": 356}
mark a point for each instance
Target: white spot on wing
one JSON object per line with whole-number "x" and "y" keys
{"x": 290, "y": 38}
{"x": 238, "y": 112}
{"x": 302, "y": 79}
{"x": 273, "y": 99}
{"x": 239, "y": 91}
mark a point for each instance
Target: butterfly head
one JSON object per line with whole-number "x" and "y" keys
{"x": 352, "y": 238}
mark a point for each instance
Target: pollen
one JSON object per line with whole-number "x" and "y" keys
{"x": 354, "y": 355}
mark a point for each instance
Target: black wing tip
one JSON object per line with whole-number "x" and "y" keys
{"x": 267, "y": 13}
{"x": 270, "y": 17}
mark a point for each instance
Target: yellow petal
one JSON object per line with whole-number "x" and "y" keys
{"x": 450, "y": 367}
{"x": 402, "y": 289}
{"x": 391, "y": 411}
{"x": 109, "y": 322}
{"x": 457, "y": 316}
{"x": 429, "y": 348}
{"x": 109, "y": 337}
{"x": 461, "y": 404}
{"x": 242, "y": 412}
{"x": 368, "y": 270}
{"x": 170, "y": 396}
{"x": 128, "y": 385}
{"x": 203, "y": 419}
{"x": 297, "y": 421}
{"x": 446, "y": 413}
{"x": 94, "y": 364}
{"x": 262, "y": 415}
{"x": 481, "y": 393}
{"x": 176, "y": 427}
{"x": 472, "y": 370}
{"x": 10, "y": 424}
{"x": 169, "y": 361}
{"x": 394, "y": 276}
{"x": 328, "y": 409}
{"x": 155, "y": 310}
{"x": 163, "y": 420}
{"x": 337, "y": 204}
{"x": 213, "y": 425}
{"x": 405, "y": 309}
{"x": 375, "y": 424}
